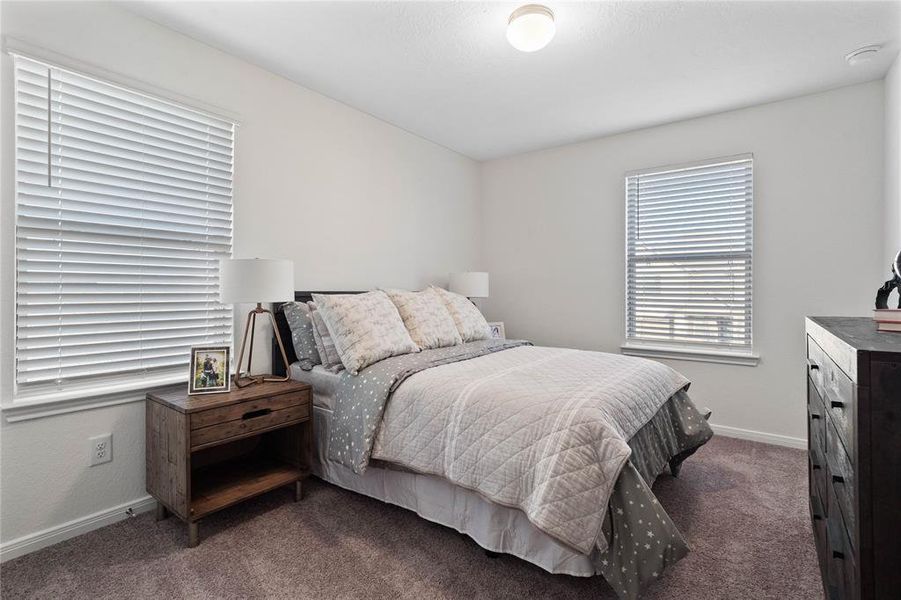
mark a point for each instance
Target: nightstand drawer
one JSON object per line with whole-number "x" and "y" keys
{"x": 235, "y": 412}
{"x": 248, "y": 422}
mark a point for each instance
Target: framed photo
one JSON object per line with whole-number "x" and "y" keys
{"x": 497, "y": 330}
{"x": 209, "y": 370}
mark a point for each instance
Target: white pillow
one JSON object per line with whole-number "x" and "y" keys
{"x": 325, "y": 345}
{"x": 426, "y": 318}
{"x": 469, "y": 321}
{"x": 366, "y": 328}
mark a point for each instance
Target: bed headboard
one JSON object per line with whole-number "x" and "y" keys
{"x": 279, "y": 368}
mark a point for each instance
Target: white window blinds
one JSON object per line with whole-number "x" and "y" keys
{"x": 689, "y": 246}
{"x": 123, "y": 210}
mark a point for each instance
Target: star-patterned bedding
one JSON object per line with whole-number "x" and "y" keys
{"x": 543, "y": 430}
{"x": 642, "y": 539}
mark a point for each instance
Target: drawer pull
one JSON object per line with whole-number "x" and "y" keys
{"x": 816, "y": 508}
{"x": 812, "y": 365}
{"x": 833, "y": 533}
{"x": 815, "y": 461}
{"x": 814, "y": 415}
{"x": 838, "y": 479}
{"x": 256, "y": 413}
{"x": 837, "y": 404}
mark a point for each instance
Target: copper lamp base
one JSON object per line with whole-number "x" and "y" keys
{"x": 246, "y": 379}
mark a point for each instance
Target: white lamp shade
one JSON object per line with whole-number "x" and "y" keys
{"x": 252, "y": 280}
{"x": 472, "y": 284}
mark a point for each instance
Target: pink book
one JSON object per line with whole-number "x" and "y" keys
{"x": 887, "y": 315}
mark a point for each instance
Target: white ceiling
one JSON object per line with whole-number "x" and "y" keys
{"x": 444, "y": 70}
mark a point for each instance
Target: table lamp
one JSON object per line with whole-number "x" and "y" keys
{"x": 472, "y": 284}
{"x": 256, "y": 280}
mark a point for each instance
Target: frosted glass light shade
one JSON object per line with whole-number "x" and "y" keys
{"x": 531, "y": 27}
{"x": 472, "y": 284}
{"x": 251, "y": 280}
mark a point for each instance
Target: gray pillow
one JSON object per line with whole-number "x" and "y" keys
{"x": 298, "y": 316}
{"x": 366, "y": 328}
{"x": 324, "y": 343}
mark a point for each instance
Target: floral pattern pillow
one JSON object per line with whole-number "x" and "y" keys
{"x": 426, "y": 318}
{"x": 469, "y": 321}
{"x": 301, "y": 324}
{"x": 366, "y": 328}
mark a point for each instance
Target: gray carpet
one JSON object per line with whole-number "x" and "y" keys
{"x": 741, "y": 505}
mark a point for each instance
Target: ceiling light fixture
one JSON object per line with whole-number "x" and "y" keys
{"x": 531, "y": 27}
{"x": 862, "y": 55}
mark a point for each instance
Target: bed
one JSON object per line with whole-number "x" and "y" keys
{"x": 563, "y": 496}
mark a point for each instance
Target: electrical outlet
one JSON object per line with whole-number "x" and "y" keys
{"x": 101, "y": 449}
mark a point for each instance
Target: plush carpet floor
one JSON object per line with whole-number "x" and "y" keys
{"x": 741, "y": 505}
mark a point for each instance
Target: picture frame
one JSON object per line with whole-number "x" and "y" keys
{"x": 210, "y": 370}
{"x": 497, "y": 330}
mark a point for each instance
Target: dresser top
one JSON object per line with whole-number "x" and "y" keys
{"x": 860, "y": 333}
{"x": 177, "y": 396}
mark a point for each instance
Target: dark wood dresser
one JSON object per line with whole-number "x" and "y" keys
{"x": 854, "y": 443}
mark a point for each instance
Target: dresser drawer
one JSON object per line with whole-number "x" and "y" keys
{"x": 836, "y": 391}
{"x": 842, "y": 572}
{"x": 818, "y": 519}
{"x": 816, "y": 417}
{"x": 260, "y": 419}
{"x": 818, "y": 474}
{"x": 814, "y": 385}
{"x": 841, "y": 480}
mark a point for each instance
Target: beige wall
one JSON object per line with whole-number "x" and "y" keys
{"x": 554, "y": 239}
{"x": 354, "y": 201}
{"x": 892, "y": 164}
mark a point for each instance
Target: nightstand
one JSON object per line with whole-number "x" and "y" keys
{"x": 208, "y": 452}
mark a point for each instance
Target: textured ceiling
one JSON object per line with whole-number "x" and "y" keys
{"x": 444, "y": 70}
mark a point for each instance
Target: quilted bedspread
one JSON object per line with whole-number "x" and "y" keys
{"x": 544, "y": 430}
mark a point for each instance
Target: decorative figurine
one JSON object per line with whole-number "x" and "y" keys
{"x": 893, "y": 283}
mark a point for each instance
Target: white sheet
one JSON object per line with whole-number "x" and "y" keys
{"x": 494, "y": 527}
{"x": 324, "y": 383}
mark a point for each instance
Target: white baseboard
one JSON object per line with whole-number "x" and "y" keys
{"x": 53, "y": 535}
{"x": 759, "y": 436}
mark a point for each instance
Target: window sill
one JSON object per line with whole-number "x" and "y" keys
{"x": 47, "y": 403}
{"x": 746, "y": 359}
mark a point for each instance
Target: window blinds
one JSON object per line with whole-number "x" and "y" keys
{"x": 123, "y": 210}
{"x": 689, "y": 247}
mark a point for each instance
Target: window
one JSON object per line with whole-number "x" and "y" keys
{"x": 688, "y": 261}
{"x": 123, "y": 210}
